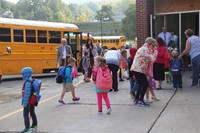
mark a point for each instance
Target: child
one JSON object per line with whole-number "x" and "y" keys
{"x": 150, "y": 88}
{"x": 28, "y": 108}
{"x": 86, "y": 65}
{"x": 133, "y": 83}
{"x": 175, "y": 69}
{"x": 100, "y": 62}
{"x": 167, "y": 63}
{"x": 68, "y": 83}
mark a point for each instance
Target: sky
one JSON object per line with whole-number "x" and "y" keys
{"x": 66, "y": 1}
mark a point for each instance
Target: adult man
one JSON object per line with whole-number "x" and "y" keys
{"x": 63, "y": 51}
{"x": 166, "y": 36}
{"x": 193, "y": 48}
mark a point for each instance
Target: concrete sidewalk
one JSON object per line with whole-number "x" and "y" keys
{"x": 174, "y": 113}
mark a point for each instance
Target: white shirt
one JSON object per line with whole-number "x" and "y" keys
{"x": 64, "y": 54}
{"x": 166, "y": 37}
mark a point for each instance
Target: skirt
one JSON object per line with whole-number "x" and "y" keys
{"x": 159, "y": 71}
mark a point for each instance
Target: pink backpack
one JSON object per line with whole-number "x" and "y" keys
{"x": 104, "y": 79}
{"x": 74, "y": 72}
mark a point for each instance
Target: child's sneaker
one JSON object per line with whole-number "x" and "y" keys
{"x": 135, "y": 102}
{"x": 175, "y": 89}
{"x": 100, "y": 112}
{"x": 33, "y": 128}
{"x": 155, "y": 98}
{"x": 62, "y": 102}
{"x": 76, "y": 99}
{"x": 26, "y": 130}
{"x": 143, "y": 104}
{"x": 109, "y": 111}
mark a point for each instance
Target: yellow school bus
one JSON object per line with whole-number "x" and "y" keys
{"x": 110, "y": 41}
{"x": 33, "y": 44}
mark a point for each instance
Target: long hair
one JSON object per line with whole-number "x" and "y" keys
{"x": 88, "y": 45}
{"x": 160, "y": 41}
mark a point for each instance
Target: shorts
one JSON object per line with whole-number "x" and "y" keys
{"x": 86, "y": 71}
{"x": 68, "y": 87}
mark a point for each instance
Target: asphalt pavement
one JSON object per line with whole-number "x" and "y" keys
{"x": 176, "y": 112}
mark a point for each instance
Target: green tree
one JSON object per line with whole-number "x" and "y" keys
{"x": 105, "y": 14}
{"x": 129, "y": 22}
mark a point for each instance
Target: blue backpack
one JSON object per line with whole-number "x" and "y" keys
{"x": 35, "y": 92}
{"x": 61, "y": 75}
{"x": 175, "y": 67}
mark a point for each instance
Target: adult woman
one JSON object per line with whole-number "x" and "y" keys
{"x": 113, "y": 61}
{"x": 159, "y": 65}
{"x": 144, "y": 57}
{"x": 91, "y": 49}
{"x": 193, "y": 48}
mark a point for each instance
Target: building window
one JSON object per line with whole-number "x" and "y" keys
{"x": 30, "y": 36}
{"x": 18, "y": 35}
{"x": 55, "y": 37}
{"x": 5, "y": 35}
{"x": 42, "y": 36}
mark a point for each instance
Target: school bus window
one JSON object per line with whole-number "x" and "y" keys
{"x": 111, "y": 41}
{"x": 117, "y": 40}
{"x": 55, "y": 37}
{"x": 5, "y": 35}
{"x": 108, "y": 41}
{"x": 30, "y": 36}
{"x": 104, "y": 41}
{"x": 18, "y": 35}
{"x": 42, "y": 36}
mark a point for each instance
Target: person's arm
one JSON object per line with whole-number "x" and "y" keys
{"x": 187, "y": 49}
{"x": 57, "y": 57}
{"x": 70, "y": 50}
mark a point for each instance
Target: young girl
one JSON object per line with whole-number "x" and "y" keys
{"x": 150, "y": 88}
{"x": 100, "y": 62}
{"x": 86, "y": 65}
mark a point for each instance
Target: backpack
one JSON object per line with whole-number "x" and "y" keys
{"x": 61, "y": 75}
{"x": 35, "y": 91}
{"x": 74, "y": 72}
{"x": 175, "y": 67}
{"x": 104, "y": 79}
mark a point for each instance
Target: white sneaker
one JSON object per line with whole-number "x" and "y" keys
{"x": 109, "y": 111}
{"x": 99, "y": 112}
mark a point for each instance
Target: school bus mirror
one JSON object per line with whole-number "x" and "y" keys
{"x": 9, "y": 50}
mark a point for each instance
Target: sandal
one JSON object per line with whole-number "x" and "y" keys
{"x": 155, "y": 98}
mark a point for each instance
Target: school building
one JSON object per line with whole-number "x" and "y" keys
{"x": 178, "y": 15}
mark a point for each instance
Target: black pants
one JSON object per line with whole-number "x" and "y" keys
{"x": 114, "y": 68}
{"x": 143, "y": 84}
{"x": 177, "y": 81}
{"x": 30, "y": 109}
{"x": 120, "y": 73}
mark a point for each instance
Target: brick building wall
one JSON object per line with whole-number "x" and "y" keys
{"x": 143, "y": 10}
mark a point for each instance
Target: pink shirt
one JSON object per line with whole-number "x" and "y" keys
{"x": 161, "y": 54}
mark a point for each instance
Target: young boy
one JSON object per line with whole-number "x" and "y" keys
{"x": 26, "y": 94}
{"x": 68, "y": 83}
{"x": 175, "y": 69}
{"x": 133, "y": 82}
{"x": 86, "y": 65}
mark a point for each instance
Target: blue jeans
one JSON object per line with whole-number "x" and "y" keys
{"x": 133, "y": 85}
{"x": 195, "y": 69}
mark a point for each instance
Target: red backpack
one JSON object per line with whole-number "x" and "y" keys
{"x": 104, "y": 78}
